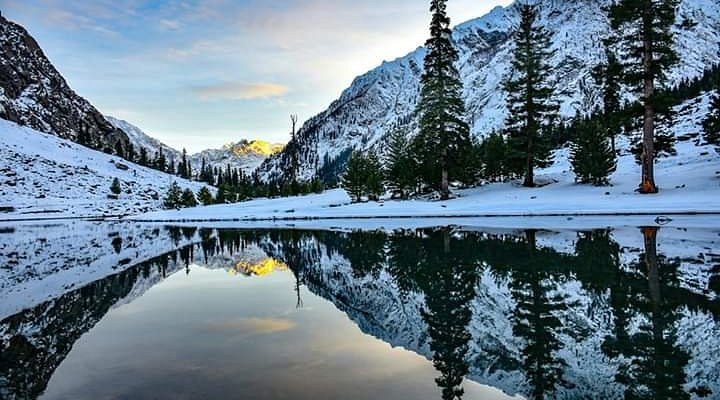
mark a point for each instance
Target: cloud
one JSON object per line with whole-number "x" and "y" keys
{"x": 251, "y": 326}
{"x": 170, "y": 25}
{"x": 240, "y": 91}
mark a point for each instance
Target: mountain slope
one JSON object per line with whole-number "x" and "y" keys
{"x": 386, "y": 96}
{"x": 140, "y": 139}
{"x": 45, "y": 176}
{"x": 34, "y": 94}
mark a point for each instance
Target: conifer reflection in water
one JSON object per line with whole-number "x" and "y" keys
{"x": 445, "y": 294}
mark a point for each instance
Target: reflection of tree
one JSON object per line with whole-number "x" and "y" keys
{"x": 175, "y": 234}
{"x": 366, "y": 252}
{"x": 535, "y": 321}
{"x": 655, "y": 365}
{"x": 435, "y": 266}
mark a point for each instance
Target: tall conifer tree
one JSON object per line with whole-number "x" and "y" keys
{"x": 711, "y": 124}
{"x": 399, "y": 165}
{"x": 645, "y": 42}
{"x": 444, "y": 137}
{"x": 591, "y": 155}
{"x": 531, "y": 106}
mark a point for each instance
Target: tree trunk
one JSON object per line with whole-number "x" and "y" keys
{"x": 647, "y": 158}
{"x": 653, "y": 277}
{"x": 444, "y": 184}
{"x": 529, "y": 173}
{"x": 653, "y": 274}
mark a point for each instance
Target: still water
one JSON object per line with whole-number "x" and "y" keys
{"x": 131, "y": 311}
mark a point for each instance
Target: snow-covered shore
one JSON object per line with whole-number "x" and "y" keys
{"x": 689, "y": 184}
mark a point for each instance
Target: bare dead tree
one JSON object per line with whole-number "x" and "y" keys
{"x": 292, "y": 150}
{"x": 293, "y": 120}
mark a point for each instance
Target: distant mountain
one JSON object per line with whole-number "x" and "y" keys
{"x": 245, "y": 154}
{"x": 34, "y": 94}
{"x": 386, "y": 96}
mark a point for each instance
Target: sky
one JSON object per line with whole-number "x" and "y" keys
{"x": 198, "y": 74}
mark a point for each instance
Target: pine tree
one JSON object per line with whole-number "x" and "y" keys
{"x": 443, "y": 142}
{"x": 609, "y": 75}
{"x": 188, "y": 199}
{"x": 183, "y": 167}
{"x": 160, "y": 162}
{"x": 115, "y": 187}
{"x": 493, "y": 153}
{"x": 221, "y": 196}
{"x": 355, "y": 177}
{"x": 173, "y": 197}
{"x": 131, "y": 153}
{"x": 591, "y": 155}
{"x": 119, "y": 149}
{"x": 374, "y": 181}
{"x": 143, "y": 157}
{"x": 531, "y": 104}
{"x": 711, "y": 124}
{"x": 399, "y": 165}
{"x": 646, "y": 43}
{"x": 205, "y": 197}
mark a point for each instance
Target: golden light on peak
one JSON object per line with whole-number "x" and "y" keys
{"x": 262, "y": 268}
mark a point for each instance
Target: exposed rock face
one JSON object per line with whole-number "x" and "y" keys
{"x": 33, "y": 93}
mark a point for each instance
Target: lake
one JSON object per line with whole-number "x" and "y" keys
{"x": 122, "y": 310}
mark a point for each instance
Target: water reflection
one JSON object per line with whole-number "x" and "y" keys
{"x": 544, "y": 315}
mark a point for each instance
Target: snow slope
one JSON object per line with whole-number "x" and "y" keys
{"x": 44, "y": 176}
{"x": 689, "y": 181}
{"x": 386, "y": 96}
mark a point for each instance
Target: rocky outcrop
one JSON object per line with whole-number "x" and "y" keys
{"x": 33, "y": 93}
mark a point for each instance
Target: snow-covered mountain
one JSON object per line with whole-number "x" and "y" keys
{"x": 42, "y": 175}
{"x": 387, "y": 96}
{"x": 33, "y": 93}
{"x": 245, "y": 155}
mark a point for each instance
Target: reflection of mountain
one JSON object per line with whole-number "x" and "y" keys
{"x": 34, "y": 342}
{"x": 503, "y": 309}
{"x": 541, "y": 320}
{"x": 48, "y": 260}
{"x": 261, "y": 268}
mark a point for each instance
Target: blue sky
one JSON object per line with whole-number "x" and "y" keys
{"x": 202, "y": 73}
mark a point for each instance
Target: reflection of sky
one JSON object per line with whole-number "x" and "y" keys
{"x": 209, "y": 335}
{"x": 200, "y": 73}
